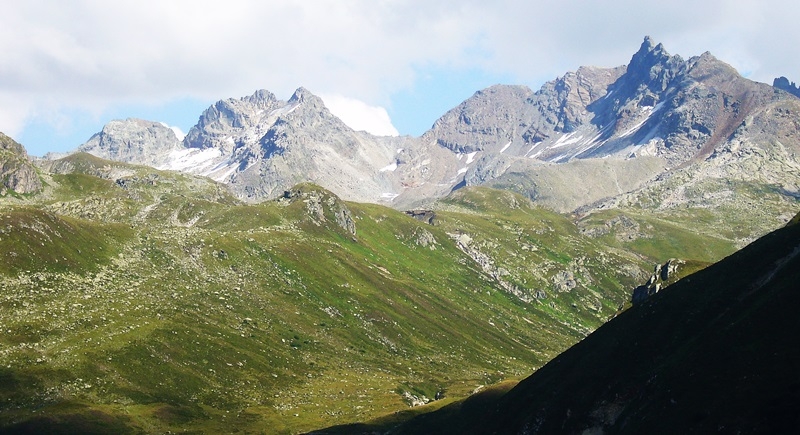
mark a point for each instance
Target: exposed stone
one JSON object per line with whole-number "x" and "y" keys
{"x": 425, "y": 239}
{"x": 133, "y": 141}
{"x": 17, "y": 173}
{"x": 662, "y": 276}
{"x": 426, "y": 216}
{"x": 564, "y": 281}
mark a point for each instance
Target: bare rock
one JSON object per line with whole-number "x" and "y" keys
{"x": 17, "y": 173}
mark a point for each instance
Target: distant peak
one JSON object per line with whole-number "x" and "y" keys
{"x": 649, "y": 46}
{"x": 302, "y": 94}
{"x": 650, "y": 54}
{"x": 262, "y": 95}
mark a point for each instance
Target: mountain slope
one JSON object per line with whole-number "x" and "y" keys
{"x": 717, "y": 351}
{"x": 141, "y": 300}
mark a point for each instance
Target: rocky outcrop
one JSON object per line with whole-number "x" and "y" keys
{"x": 427, "y": 216}
{"x": 466, "y": 244}
{"x": 783, "y": 84}
{"x": 17, "y": 173}
{"x": 322, "y": 206}
{"x": 663, "y": 274}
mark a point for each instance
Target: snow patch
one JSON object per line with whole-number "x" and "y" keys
{"x": 294, "y": 108}
{"x": 471, "y": 157}
{"x": 191, "y": 159}
{"x": 220, "y": 178}
{"x": 391, "y": 167}
{"x": 650, "y": 111}
{"x": 389, "y": 196}
{"x": 462, "y": 170}
{"x": 567, "y": 139}
{"x": 505, "y": 147}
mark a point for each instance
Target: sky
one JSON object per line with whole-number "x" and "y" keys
{"x": 386, "y": 66}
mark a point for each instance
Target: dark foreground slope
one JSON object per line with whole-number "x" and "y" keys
{"x": 718, "y": 351}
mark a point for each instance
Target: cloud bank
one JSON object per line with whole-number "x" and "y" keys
{"x": 360, "y": 116}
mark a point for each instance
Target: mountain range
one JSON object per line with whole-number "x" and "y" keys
{"x": 593, "y": 135}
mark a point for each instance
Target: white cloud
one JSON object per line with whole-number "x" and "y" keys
{"x": 358, "y": 115}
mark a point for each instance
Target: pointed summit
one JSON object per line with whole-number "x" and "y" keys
{"x": 647, "y": 44}
{"x": 653, "y": 67}
{"x": 303, "y": 95}
{"x": 650, "y": 54}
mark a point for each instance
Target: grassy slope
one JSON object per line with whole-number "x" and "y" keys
{"x": 182, "y": 309}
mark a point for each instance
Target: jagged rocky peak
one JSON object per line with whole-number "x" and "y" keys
{"x": 17, "y": 173}
{"x": 222, "y": 123}
{"x": 262, "y": 98}
{"x": 133, "y": 141}
{"x": 784, "y": 84}
{"x": 510, "y": 119}
{"x": 308, "y": 110}
{"x": 303, "y": 95}
{"x": 240, "y": 122}
{"x": 649, "y": 73}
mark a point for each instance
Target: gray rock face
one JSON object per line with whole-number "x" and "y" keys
{"x": 17, "y": 173}
{"x": 133, "y": 141}
{"x": 511, "y": 120}
{"x": 226, "y": 124}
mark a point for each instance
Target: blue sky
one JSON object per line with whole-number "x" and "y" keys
{"x": 382, "y": 65}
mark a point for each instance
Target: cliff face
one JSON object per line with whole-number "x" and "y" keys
{"x": 17, "y": 173}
